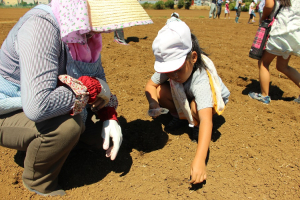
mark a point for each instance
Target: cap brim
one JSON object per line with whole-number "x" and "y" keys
{"x": 169, "y": 66}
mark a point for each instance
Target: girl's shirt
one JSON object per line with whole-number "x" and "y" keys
{"x": 227, "y": 6}
{"x": 196, "y": 87}
{"x": 287, "y": 20}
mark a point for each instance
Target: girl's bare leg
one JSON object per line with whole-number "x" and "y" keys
{"x": 264, "y": 74}
{"x": 165, "y": 98}
{"x": 291, "y": 73}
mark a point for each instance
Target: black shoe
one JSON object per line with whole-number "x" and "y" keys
{"x": 175, "y": 123}
{"x": 195, "y": 134}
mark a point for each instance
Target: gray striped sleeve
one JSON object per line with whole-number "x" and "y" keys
{"x": 39, "y": 48}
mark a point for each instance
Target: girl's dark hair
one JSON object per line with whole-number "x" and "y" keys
{"x": 196, "y": 47}
{"x": 285, "y": 3}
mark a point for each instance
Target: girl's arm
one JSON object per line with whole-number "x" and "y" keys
{"x": 151, "y": 94}
{"x": 198, "y": 168}
{"x": 269, "y": 6}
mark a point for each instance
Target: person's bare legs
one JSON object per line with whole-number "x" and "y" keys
{"x": 165, "y": 98}
{"x": 291, "y": 73}
{"x": 264, "y": 74}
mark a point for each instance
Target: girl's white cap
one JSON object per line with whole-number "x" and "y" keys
{"x": 171, "y": 46}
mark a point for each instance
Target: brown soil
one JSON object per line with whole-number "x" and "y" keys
{"x": 254, "y": 153}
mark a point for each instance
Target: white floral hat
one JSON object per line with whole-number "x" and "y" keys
{"x": 107, "y": 15}
{"x": 77, "y": 17}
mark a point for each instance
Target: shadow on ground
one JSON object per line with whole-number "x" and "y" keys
{"x": 134, "y": 39}
{"x": 88, "y": 166}
{"x": 275, "y": 92}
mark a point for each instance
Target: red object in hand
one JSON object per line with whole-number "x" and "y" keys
{"x": 93, "y": 87}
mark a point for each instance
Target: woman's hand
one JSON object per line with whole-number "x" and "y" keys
{"x": 98, "y": 104}
{"x": 198, "y": 171}
{"x": 102, "y": 98}
{"x": 111, "y": 129}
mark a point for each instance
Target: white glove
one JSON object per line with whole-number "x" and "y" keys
{"x": 104, "y": 94}
{"x": 111, "y": 128}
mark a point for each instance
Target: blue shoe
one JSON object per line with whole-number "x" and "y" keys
{"x": 259, "y": 97}
{"x": 297, "y": 100}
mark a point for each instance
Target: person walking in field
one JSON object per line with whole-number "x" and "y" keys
{"x": 283, "y": 42}
{"x": 238, "y": 10}
{"x": 227, "y": 11}
{"x": 52, "y": 83}
{"x": 261, "y": 6}
{"x": 219, "y": 8}
{"x": 213, "y": 8}
{"x": 251, "y": 12}
{"x": 187, "y": 84}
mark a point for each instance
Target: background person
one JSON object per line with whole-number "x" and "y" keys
{"x": 227, "y": 11}
{"x": 213, "y": 8}
{"x": 238, "y": 10}
{"x": 119, "y": 37}
{"x": 260, "y": 9}
{"x": 219, "y": 8}
{"x": 251, "y": 12}
{"x": 283, "y": 42}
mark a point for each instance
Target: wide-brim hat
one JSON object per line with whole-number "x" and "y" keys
{"x": 110, "y": 15}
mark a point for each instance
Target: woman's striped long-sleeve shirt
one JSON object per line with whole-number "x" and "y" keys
{"x": 32, "y": 56}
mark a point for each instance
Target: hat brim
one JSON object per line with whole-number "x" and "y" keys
{"x": 169, "y": 66}
{"x": 110, "y": 15}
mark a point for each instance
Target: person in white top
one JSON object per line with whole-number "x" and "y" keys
{"x": 260, "y": 9}
{"x": 252, "y": 12}
{"x": 283, "y": 42}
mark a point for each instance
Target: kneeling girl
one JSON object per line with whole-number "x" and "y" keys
{"x": 186, "y": 83}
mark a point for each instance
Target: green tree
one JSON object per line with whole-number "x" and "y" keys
{"x": 180, "y": 4}
{"x": 147, "y": 5}
{"x": 187, "y": 4}
{"x": 159, "y": 5}
{"x": 169, "y": 4}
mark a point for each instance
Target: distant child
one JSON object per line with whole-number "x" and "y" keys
{"x": 212, "y": 11}
{"x": 283, "y": 42}
{"x": 187, "y": 84}
{"x": 261, "y": 6}
{"x": 252, "y": 12}
{"x": 227, "y": 11}
{"x": 219, "y": 8}
{"x": 238, "y": 10}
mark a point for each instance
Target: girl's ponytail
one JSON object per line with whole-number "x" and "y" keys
{"x": 196, "y": 47}
{"x": 285, "y": 3}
